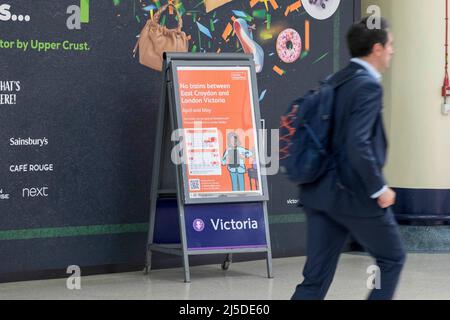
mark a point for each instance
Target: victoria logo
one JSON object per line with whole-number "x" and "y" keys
{"x": 6, "y": 15}
{"x": 78, "y": 15}
{"x": 198, "y": 225}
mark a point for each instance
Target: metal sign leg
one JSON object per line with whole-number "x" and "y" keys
{"x": 155, "y": 172}
{"x": 269, "y": 265}
{"x": 148, "y": 261}
{"x": 187, "y": 273}
{"x": 269, "y": 246}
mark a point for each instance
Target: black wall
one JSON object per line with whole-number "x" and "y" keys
{"x": 97, "y": 109}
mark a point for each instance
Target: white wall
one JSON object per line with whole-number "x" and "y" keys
{"x": 419, "y": 135}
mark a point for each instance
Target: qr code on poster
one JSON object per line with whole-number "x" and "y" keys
{"x": 194, "y": 184}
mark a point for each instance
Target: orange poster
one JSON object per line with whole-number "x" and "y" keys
{"x": 220, "y": 136}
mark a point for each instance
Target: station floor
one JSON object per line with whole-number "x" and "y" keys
{"x": 425, "y": 277}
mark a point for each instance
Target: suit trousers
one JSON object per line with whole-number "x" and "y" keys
{"x": 327, "y": 236}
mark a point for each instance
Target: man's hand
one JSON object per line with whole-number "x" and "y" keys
{"x": 387, "y": 199}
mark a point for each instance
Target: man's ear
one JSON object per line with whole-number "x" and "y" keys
{"x": 377, "y": 49}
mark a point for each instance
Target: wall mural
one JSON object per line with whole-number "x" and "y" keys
{"x": 78, "y": 116}
{"x": 258, "y": 27}
{"x": 294, "y": 44}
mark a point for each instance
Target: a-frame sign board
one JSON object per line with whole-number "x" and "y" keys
{"x": 207, "y": 159}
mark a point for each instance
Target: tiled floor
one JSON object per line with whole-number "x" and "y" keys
{"x": 426, "y": 276}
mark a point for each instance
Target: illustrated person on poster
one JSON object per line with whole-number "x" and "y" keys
{"x": 234, "y": 158}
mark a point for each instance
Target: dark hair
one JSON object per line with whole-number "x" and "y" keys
{"x": 361, "y": 38}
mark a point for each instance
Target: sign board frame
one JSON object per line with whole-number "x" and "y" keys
{"x": 169, "y": 119}
{"x": 257, "y": 120}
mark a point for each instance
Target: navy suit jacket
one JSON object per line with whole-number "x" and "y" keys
{"x": 359, "y": 145}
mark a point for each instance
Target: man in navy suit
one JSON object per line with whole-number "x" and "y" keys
{"x": 353, "y": 197}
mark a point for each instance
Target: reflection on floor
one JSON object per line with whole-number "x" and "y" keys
{"x": 426, "y": 276}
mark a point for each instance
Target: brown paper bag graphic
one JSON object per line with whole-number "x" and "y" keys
{"x": 214, "y": 4}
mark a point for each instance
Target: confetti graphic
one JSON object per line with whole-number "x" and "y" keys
{"x": 248, "y": 26}
{"x": 84, "y": 11}
{"x": 204, "y": 30}
{"x": 214, "y": 4}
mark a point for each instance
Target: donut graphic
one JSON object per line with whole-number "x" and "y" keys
{"x": 289, "y": 45}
